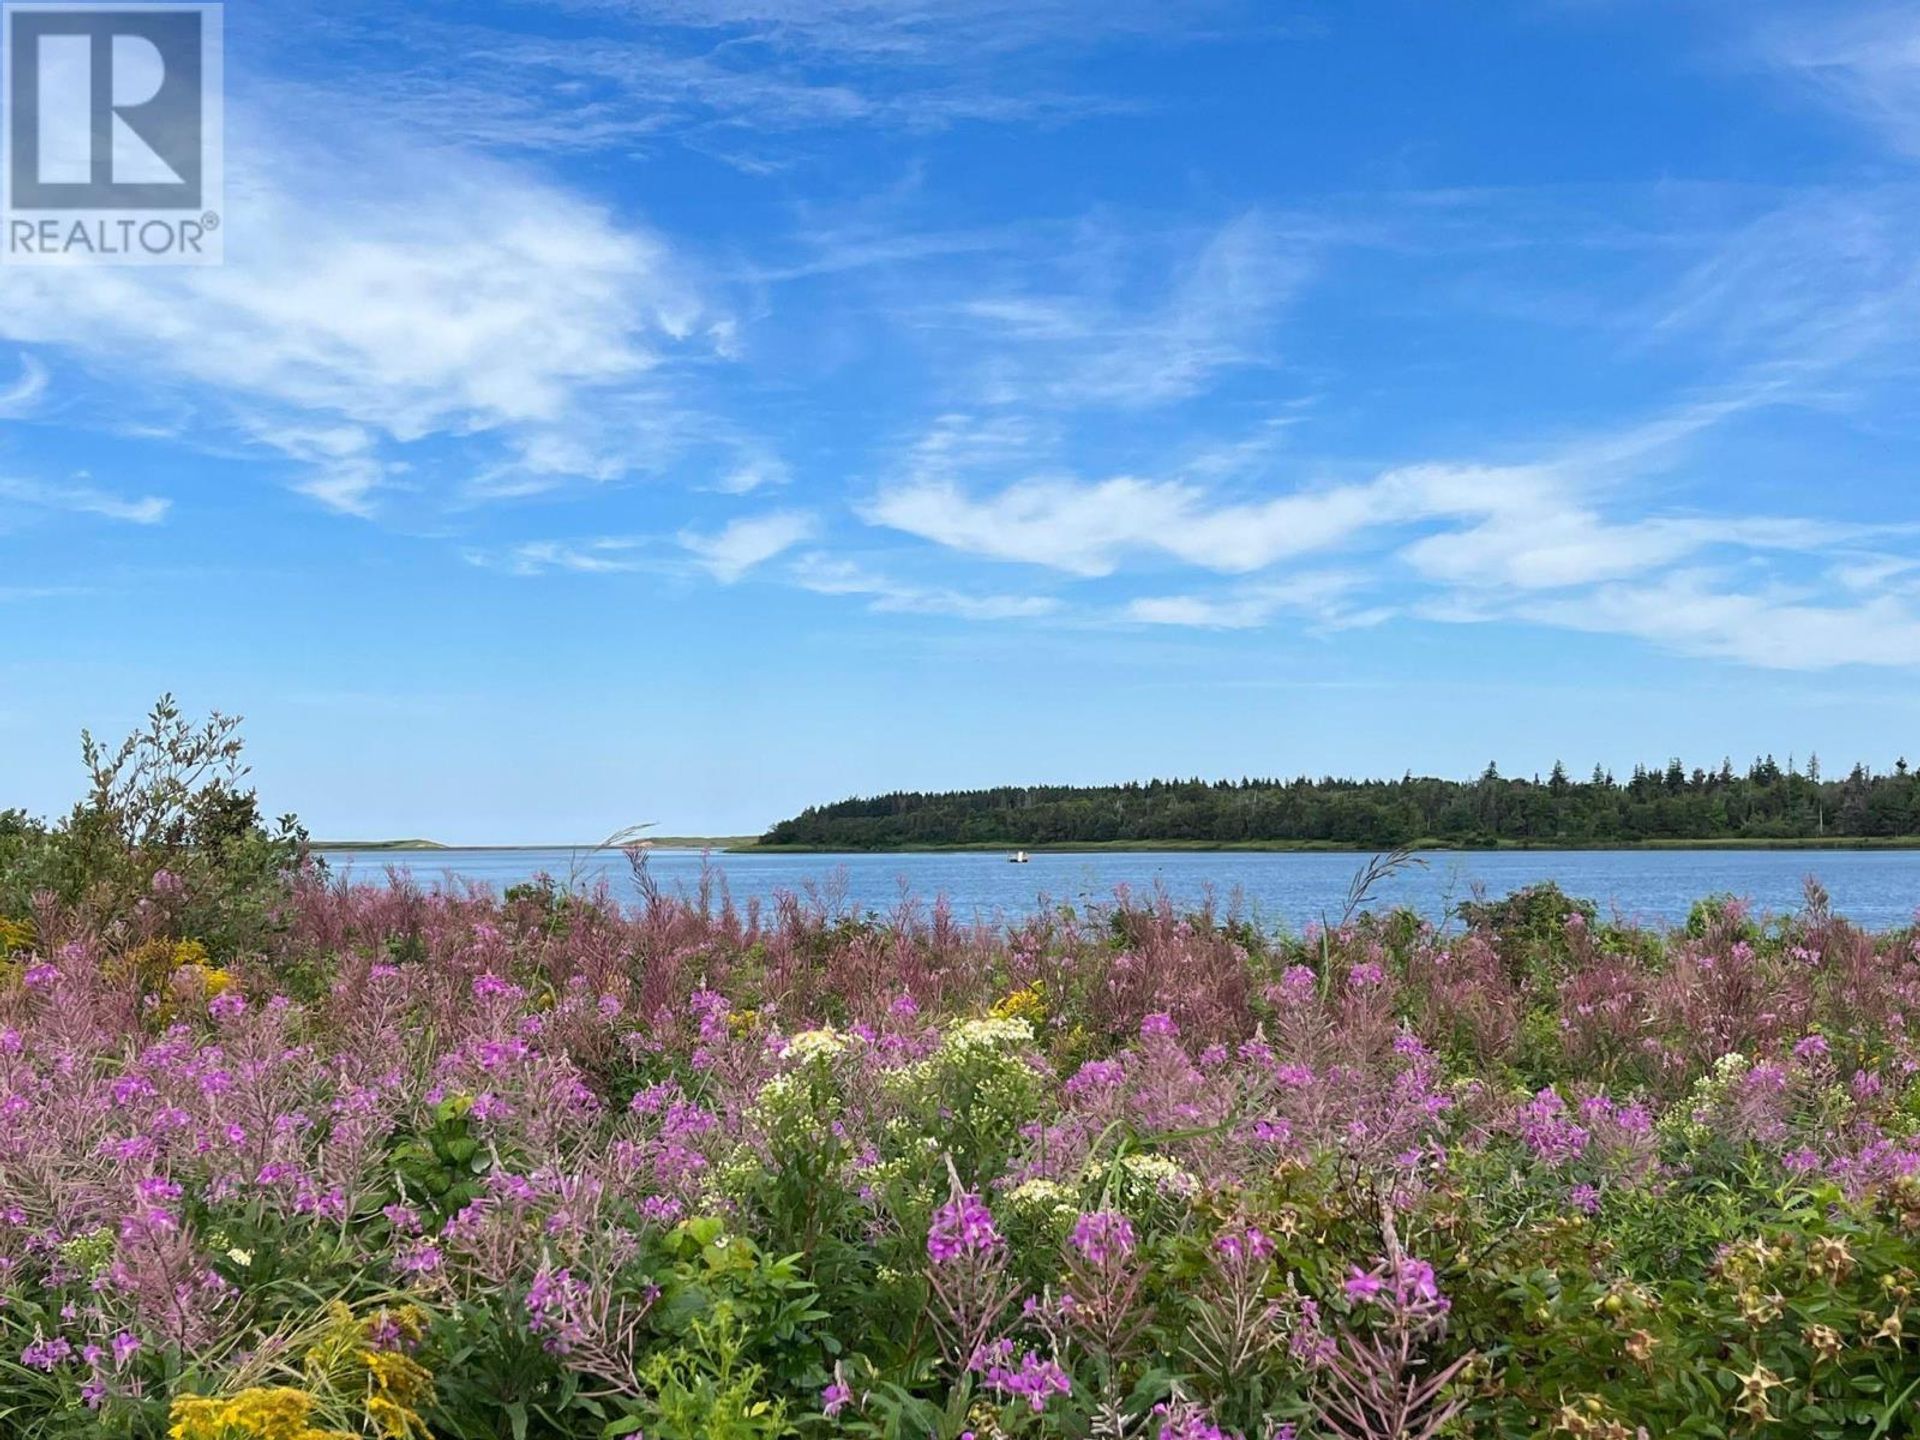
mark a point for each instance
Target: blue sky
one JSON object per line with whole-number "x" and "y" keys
{"x": 684, "y": 411}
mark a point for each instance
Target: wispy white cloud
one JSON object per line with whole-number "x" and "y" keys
{"x": 606, "y": 555}
{"x": 446, "y": 297}
{"x": 741, "y": 545}
{"x": 1541, "y": 543}
{"x": 930, "y": 32}
{"x": 1777, "y": 627}
{"x": 1115, "y": 330}
{"x": 826, "y": 575}
{"x": 1863, "y": 59}
{"x": 753, "y": 472}
{"x": 725, "y": 79}
{"x": 1322, "y": 598}
{"x": 1088, "y": 528}
{"x": 83, "y": 498}
{"x": 24, "y": 395}
{"x": 1543, "y": 546}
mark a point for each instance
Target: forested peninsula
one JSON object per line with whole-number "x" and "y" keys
{"x": 1768, "y": 803}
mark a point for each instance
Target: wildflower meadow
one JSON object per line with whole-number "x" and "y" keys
{"x": 284, "y": 1158}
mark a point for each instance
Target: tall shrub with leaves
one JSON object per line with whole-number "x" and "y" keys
{"x": 168, "y": 840}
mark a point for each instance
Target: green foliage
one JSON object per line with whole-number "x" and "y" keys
{"x": 1530, "y": 927}
{"x": 970, "y": 1099}
{"x": 773, "y": 1308}
{"x": 1787, "y": 1309}
{"x": 169, "y": 801}
{"x": 438, "y": 1167}
{"x": 1723, "y": 915}
{"x": 705, "y": 1388}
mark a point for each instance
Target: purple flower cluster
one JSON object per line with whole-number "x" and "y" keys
{"x": 1102, "y": 1236}
{"x": 962, "y": 1227}
{"x": 1022, "y": 1376}
{"x": 1408, "y": 1288}
{"x": 555, "y": 1303}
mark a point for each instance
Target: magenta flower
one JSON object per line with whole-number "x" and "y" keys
{"x": 1102, "y": 1235}
{"x": 45, "y": 1354}
{"x": 1247, "y": 1242}
{"x": 963, "y": 1226}
{"x": 1029, "y": 1378}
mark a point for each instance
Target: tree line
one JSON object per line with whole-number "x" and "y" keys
{"x": 1671, "y": 802}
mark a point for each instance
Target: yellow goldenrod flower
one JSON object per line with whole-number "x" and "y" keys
{"x": 265, "y": 1412}
{"x": 397, "y": 1375}
{"x": 195, "y": 1417}
{"x": 395, "y": 1421}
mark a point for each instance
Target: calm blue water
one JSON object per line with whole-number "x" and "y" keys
{"x": 1873, "y": 888}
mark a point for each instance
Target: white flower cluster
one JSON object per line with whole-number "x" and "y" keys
{"x": 988, "y": 1034}
{"x": 1045, "y": 1200}
{"x": 1156, "y": 1175}
{"x": 1689, "y": 1122}
{"x": 809, "y": 1044}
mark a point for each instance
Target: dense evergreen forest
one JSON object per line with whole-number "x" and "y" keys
{"x": 1767, "y": 802}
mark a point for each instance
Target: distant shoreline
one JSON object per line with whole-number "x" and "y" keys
{"x": 1900, "y": 842}
{"x": 742, "y": 845}
{"x": 668, "y": 842}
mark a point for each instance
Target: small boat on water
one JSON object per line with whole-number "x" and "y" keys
{"x": 1019, "y": 857}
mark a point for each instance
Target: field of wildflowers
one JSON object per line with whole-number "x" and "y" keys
{"x": 369, "y": 1161}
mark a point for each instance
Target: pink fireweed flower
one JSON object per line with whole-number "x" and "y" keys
{"x": 1549, "y": 1131}
{"x": 384, "y": 1332}
{"x": 1273, "y": 1132}
{"x": 403, "y": 1218}
{"x": 1416, "y": 1283}
{"x": 1249, "y": 1243}
{"x": 1097, "y": 1075}
{"x": 419, "y": 1259}
{"x": 963, "y": 1226}
{"x": 555, "y": 1301}
{"x": 1190, "y": 1422}
{"x": 227, "y": 1005}
{"x": 1410, "y": 1288}
{"x": 1031, "y": 1378}
{"x": 47, "y": 1354}
{"x": 1102, "y": 1235}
